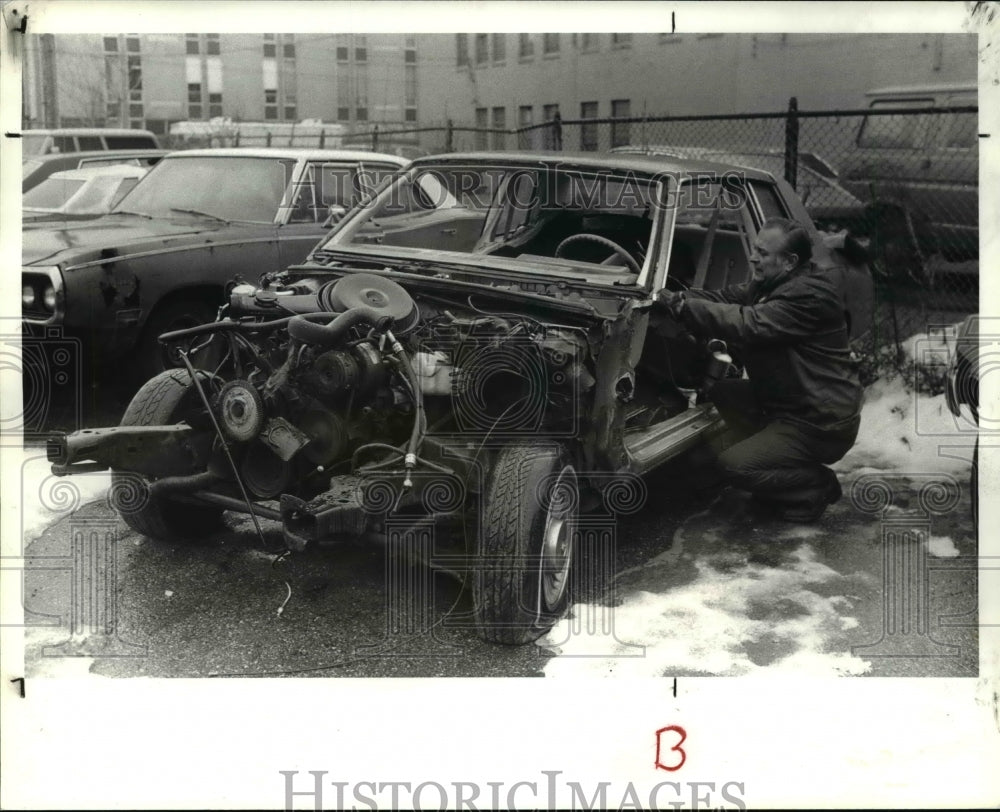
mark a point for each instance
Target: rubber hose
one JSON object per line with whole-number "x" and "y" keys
{"x": 306, "y": 330}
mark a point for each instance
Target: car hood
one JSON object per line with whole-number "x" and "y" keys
{"x": 72, "y": 243}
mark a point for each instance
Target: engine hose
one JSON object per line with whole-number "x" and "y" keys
{"x": 233, "y": 327}
{"x": 305, "y": 329}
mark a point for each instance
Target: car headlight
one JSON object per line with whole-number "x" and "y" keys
{"x": 42, "y": 294}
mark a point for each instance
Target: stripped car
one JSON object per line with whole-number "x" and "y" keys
{"x": 476, "y": 346}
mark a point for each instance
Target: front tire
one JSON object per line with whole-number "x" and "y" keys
{"x": 163, "y": 400}
{"x": 525, "y": 544}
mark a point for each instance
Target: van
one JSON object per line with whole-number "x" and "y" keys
{"x": 50, "y": 142}
{"x": 918, "y": 175}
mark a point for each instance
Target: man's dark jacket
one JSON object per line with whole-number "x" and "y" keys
{"x": 793, "y": 338}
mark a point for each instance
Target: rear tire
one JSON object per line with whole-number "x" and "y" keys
{"x": 525, "y": 544}
{"x": 163, "y": 400}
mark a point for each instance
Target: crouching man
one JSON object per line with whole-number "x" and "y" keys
{"x": 800, "y": 409}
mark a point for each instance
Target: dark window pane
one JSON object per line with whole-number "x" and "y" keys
{"x": 135, "y": 110}
{"x": 132, "y": 45}
{"x": 194, "y": 110}
{"x": 289, "y": 112}
{"x": 212, "y": 46}
{"x": 410, "y": 56}
{"x": 361, "y": 114}
{"x": 111, "y": 43}
{"x": 411, "y": 114}
{"x": 289, "y": 50}
{"x": 90, "y": 142}
{"x": 269, "y": 49}
{"x": 342, "y": 53}
{"x": 343, "y": 113}
{"x": 129, "y": 142}
{"x": 361, "y": 54}
{"x": 214, "y": 110}
{"x": 271, "y": 113}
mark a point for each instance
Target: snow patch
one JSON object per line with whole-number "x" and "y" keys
{"x": 713, "y": 625}
{"x": 942, "y": 547}
{"x": 907, "y": 432}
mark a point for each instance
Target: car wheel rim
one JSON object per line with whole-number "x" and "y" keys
{"x": 557, "y": 538}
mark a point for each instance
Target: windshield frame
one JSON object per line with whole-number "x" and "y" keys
{"x": 662, "y": 186}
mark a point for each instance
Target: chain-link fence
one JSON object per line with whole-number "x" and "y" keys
{"x": 904, "y": 182}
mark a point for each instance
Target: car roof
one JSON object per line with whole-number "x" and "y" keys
{"x": 87, "y": 172}
{"x": 295, "y": 153}
{"x": 925, "y": 89}
{"x": 87, "y": 131}
{"x": 103, "y": 154}
{"x": 635, "y": 162}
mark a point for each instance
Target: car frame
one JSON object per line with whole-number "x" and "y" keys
{"x": 469, "y": 348}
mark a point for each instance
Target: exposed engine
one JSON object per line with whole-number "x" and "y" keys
{"x": 321, "y": 377}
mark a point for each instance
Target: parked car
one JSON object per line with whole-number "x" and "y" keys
{"x": 477, "y": 344}
{"x": 36, "y": 170}
{"x": 78, "y": 194}
{"x": 963, "y": 390}
{"x": 84, "y": 139}
{"x": 918, "y": 176}
{"x": 830, "y": 205}
{"x": 161, "y": 259}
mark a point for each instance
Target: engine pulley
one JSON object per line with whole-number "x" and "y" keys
{"x": 240, "y": 410}
{"x": 377, "y": 292}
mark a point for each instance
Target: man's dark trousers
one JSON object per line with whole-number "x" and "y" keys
{"x": 777, "y": 460}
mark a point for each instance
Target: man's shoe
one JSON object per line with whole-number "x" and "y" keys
{"x": 809, "y": 512}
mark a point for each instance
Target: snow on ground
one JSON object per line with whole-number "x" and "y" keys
{"x": 908, "y": 432}
{"x": 40, "y": 498}
{"x": 730, "y": 610}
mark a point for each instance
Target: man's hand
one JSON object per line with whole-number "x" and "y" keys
{"x": 671, "y": 302}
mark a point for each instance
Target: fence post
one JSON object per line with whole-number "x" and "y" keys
{"x": 449, "y": 144}
{"x": 322, "y": 138}
{"x": 237, "y": 141}
{"x": 375, "y": 138}
{"x": 268, "y": 138}
{"x": 557, "y": 132}
{"x": 792, "y": 142}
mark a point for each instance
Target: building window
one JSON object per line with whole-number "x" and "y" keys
{"x": 525, "y": 46}
{"x": 270, "y": 49}
{"x": 461, "y": 50}
{"x": 590, "y": 42}
{"x": 271, "y": 104}
{"x": 270, "y": 113}
{"x": 135, "y": 111}
{"x": 191, "y": 43}
{"x": 344, "y": 113}
{"x": 552, "y": 140}
{"x": 132, "y": 45}
{"x": 499, "y": 47}
{"x": 288, "y": 49}
{"x": 111, "y": 44}
{"x": 499, "y": 139}
{"x": 482, "y": 122}
{"x": 550, "y": 43}
{"x": 409, "y": 56}
{"x": 212, "y": 46}
{"x": 588, "y": 132}
{"x": 361, "y": 114}
{"x": 621, "y": 40}
{"x": 360, "y": 49}
{"x": 194, "y": 99}
{"x": 290, "y": 111}
{"x": 410, "y": 86}
{"x": 620, "y": 131}
{"x": 343, "y": 53}
{"x": 411, "y": 114}
{"x": 214, "y": 105}
{"x": 525, "y": 115}
{"x": 482, "y": 49}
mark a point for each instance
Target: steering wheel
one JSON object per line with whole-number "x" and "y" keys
{"x": 615, "y": 247}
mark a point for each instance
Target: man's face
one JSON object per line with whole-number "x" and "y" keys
{"x": 769, "y": 258}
